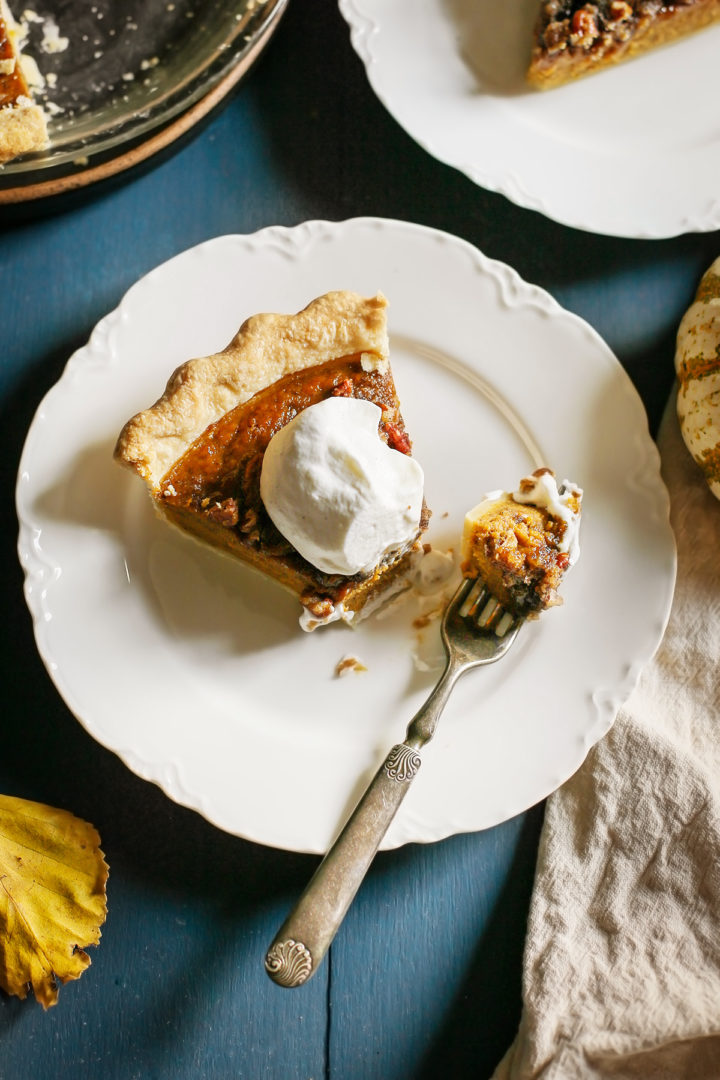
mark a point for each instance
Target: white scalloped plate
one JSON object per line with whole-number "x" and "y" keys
{"x": 194, "y": 670}
{"x": 633, "y": 151}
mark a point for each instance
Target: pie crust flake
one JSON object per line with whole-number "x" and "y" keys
{"x": 199, "y": 448}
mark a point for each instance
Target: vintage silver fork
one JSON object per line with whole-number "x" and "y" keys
{"x": 476, "y": 630}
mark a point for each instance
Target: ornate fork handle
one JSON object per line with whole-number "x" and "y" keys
{"x": 471, "y": 632}
{"x": 306, "y": 934}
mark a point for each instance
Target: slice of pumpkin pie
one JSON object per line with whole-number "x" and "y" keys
{"x": 23, "y": 126}
{"x": 576, "y": 37}
{"x": 288, "y": 450}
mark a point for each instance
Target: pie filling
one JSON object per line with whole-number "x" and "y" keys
{"x": 522, "y": 544}
{"x": 515, "y": 550}
{"x": 214, "y": 488}
{"x": 573, "y": 38}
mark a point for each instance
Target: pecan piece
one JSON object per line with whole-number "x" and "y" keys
{"x": 527, "y": 483}
{"x": 343, "y": 389}
{"x": 555, "y": 36}
{"x": 321, "y": 607}
{"x": 249, "y": 521}
{"x": 250, "y": 527}
{"x": 619, "y": 11}
{"x": 225, "y": 512}
{"x": 398, "y": 439}
{"x": 584, "y": 28}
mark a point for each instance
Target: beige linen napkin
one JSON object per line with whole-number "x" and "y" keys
{"x": 622, "y": 959}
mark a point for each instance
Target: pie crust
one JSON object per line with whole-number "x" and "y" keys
{"x": 23, "y": 125}
{"x": 575, "y": 38}
{"x": 199, "y": 448}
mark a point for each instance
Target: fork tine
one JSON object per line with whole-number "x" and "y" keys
{"x": 476, "y": 592}
{"x": 480, "y": 607}
{"x": 489, "y": 615}
{"x": 505, "y": 623}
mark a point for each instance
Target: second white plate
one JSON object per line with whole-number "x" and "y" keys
{"x": 194, "y": 669}
{"x": 633, "y": 151}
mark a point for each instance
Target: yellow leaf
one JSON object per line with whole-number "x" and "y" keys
{"x": 52, "y": 897}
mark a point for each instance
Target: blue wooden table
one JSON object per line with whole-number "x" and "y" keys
{"x": 424, "y": 977}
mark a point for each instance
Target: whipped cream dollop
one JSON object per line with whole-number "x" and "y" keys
{"x": 342, "y": 497}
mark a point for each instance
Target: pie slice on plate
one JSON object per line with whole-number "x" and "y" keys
{"x": 288, "y": 450}
{"x": 574, "y": 38}
{"x": 22, "y": 123}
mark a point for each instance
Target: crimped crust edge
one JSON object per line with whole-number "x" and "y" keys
{"x": 266, "y": 347}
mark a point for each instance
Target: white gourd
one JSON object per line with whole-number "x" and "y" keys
{"x": 697, "y": 363}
